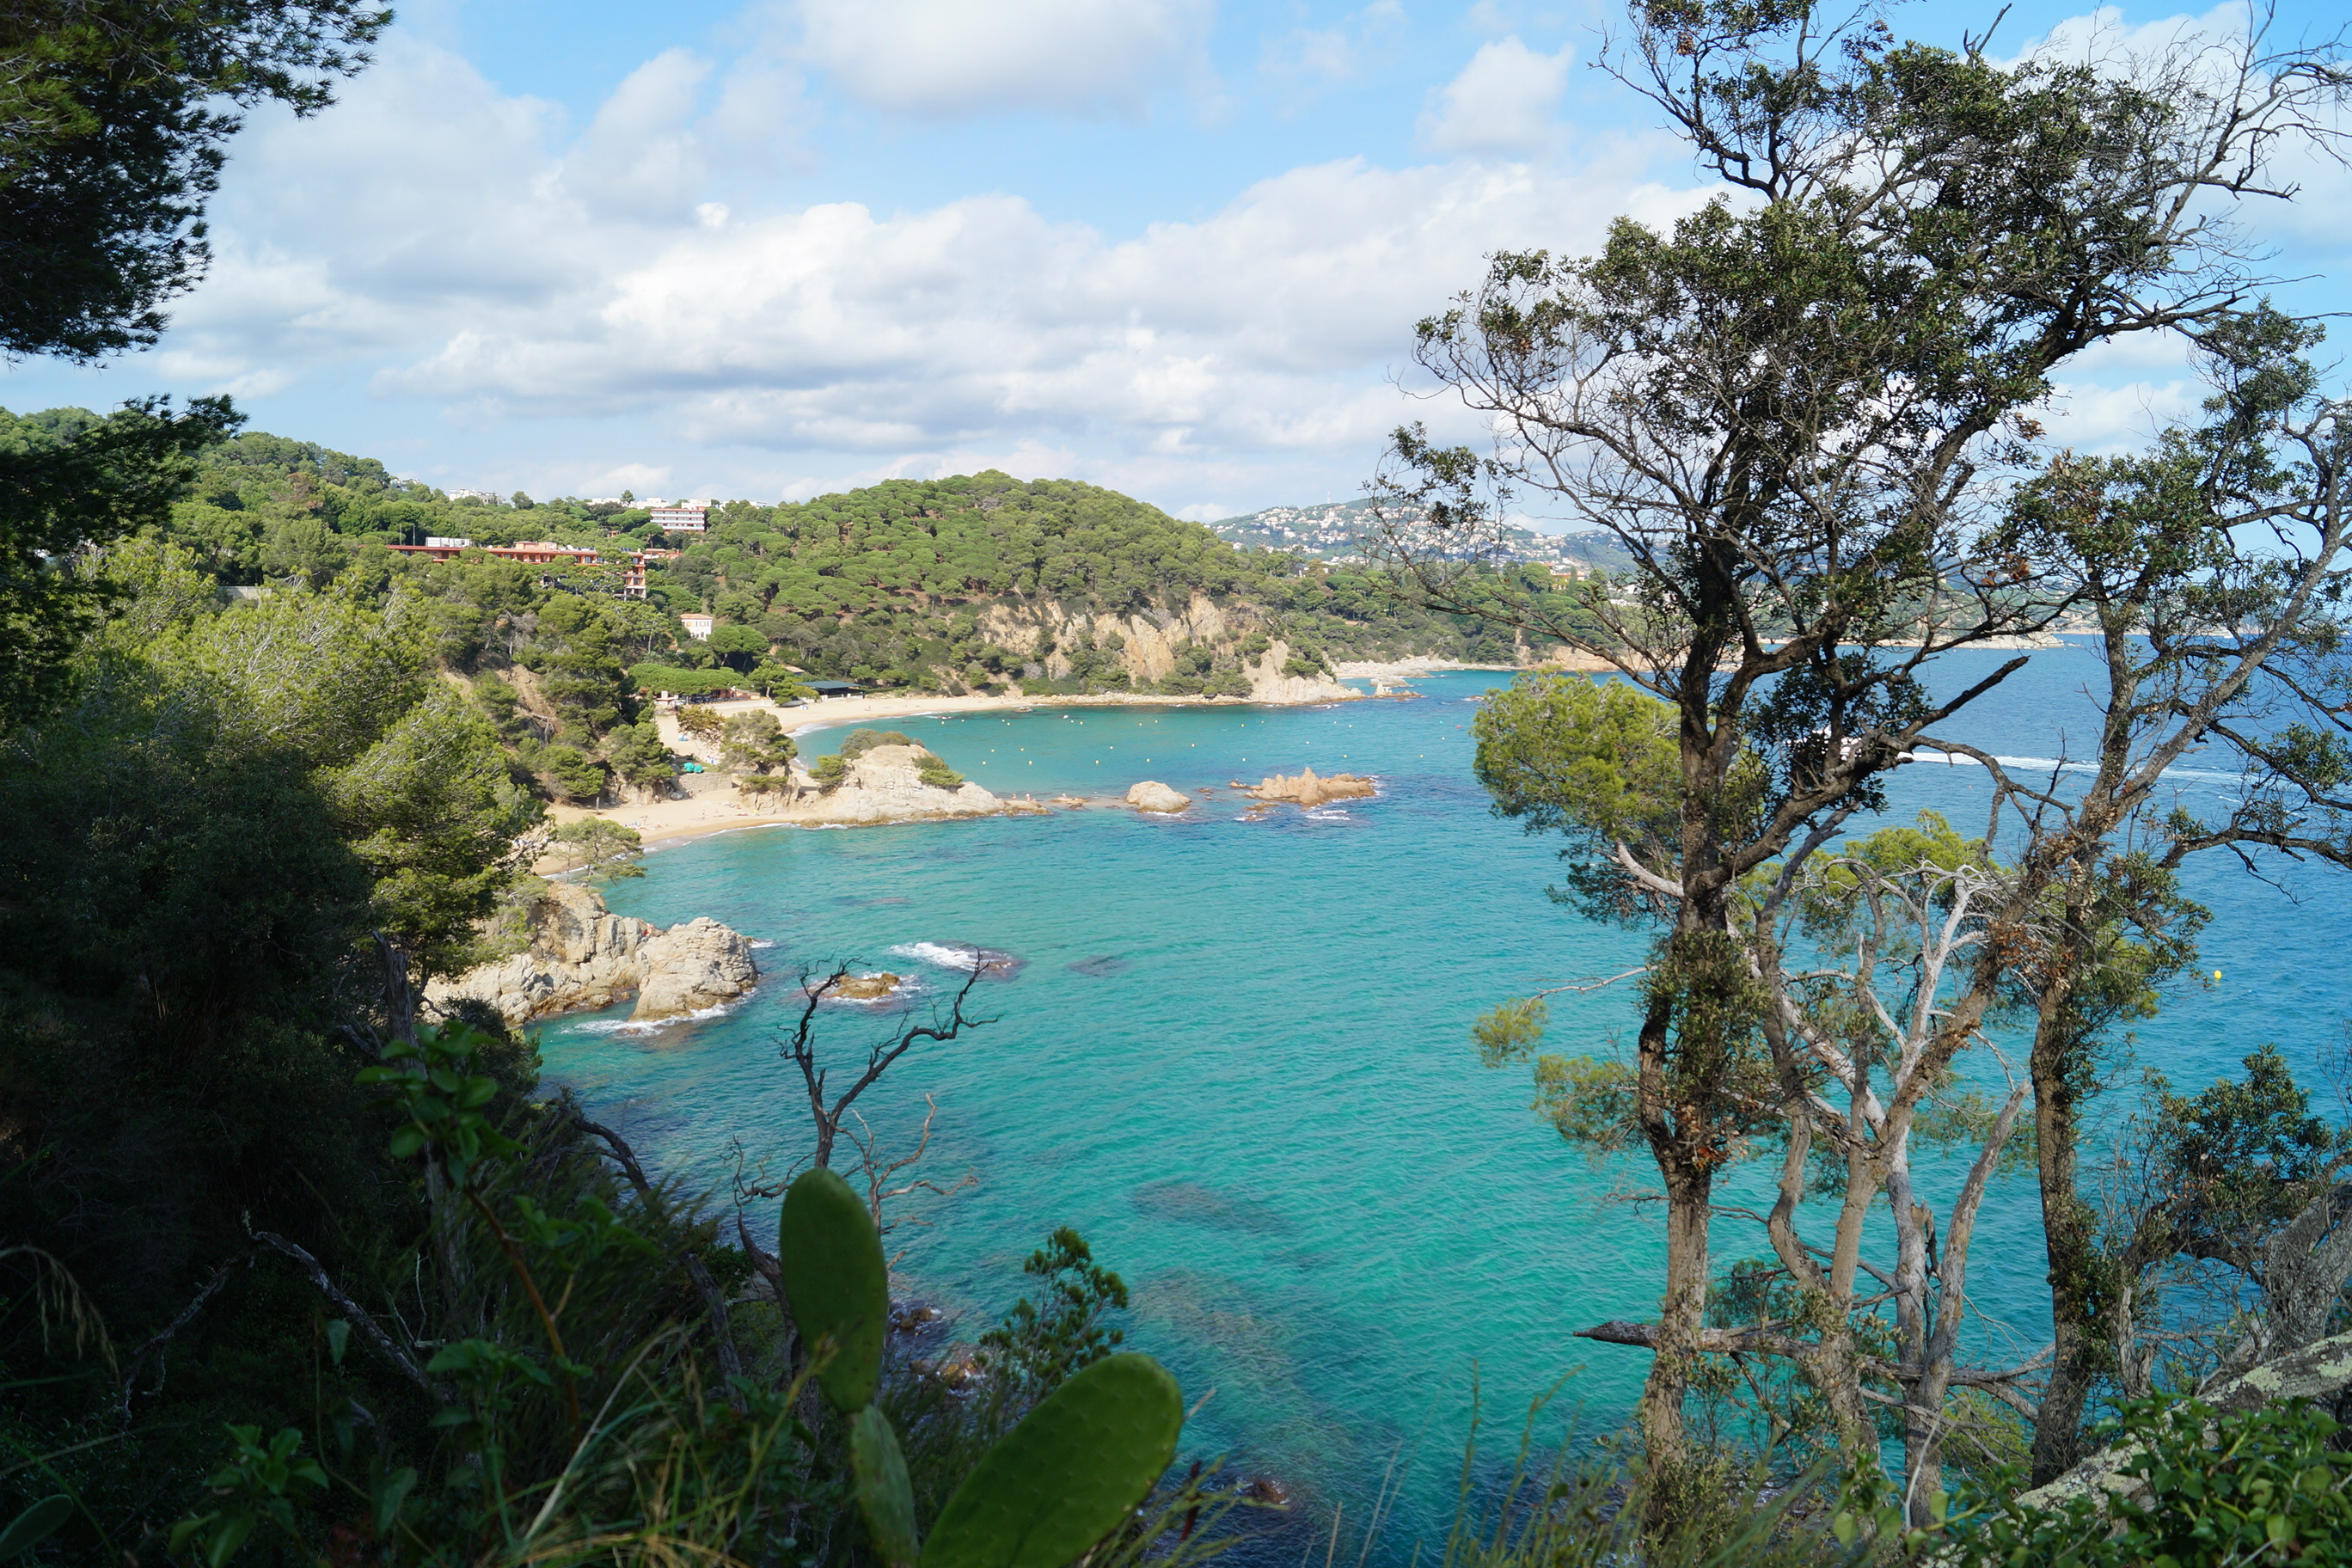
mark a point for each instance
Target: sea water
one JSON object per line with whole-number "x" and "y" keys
{"x": 1232, "y": 1048}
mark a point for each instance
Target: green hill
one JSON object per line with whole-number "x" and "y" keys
{"x": 981, "y": 582}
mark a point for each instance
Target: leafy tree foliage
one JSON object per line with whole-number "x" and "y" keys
{"x": 756, "y": 742}
{"x": 1039, "y": 1344}
{"x": 1795, "y": 412}
{"x": 599, "y": 850}
{"x": 70, "y": 480}
{"x": 116, "y": 113}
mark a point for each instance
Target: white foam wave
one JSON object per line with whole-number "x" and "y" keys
{"x": 761, "y": 941}
{"x": 2047, "y": 764}
{"x": 651, "y": 1026}
{"x": 958, "y": 956}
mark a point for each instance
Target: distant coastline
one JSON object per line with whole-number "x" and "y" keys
{"x": 718, "y": 810}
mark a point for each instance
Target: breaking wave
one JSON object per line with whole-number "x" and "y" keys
{"x": 651, "y": 1026}
{"x": 2046, "y": 764}
{"x": 960, "y": 956}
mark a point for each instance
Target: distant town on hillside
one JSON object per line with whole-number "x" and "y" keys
{"x": 1334, "y": 531}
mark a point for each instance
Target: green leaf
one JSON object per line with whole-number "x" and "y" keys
{"x": 1069, "y": 1474}
{"x": 48, "y": 1516}
{"x": 339, "y": 1334}
{"x": 884, "y": 1493}
{"x": 389, "y": 1495}
{"x": 226, "y": 1538}
{"x": 836, "y": 1283}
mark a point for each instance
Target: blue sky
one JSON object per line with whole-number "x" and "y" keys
{"x": 1174, "y": 246}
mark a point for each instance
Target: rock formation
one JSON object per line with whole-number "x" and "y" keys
{"x": 584, "y": 956}
{"x": 1148, "y": 644}
{"x": 886, "y": 784}
{"x": 1153, "y": 795}
{"x": 1305, "y": 789}
{"x": 865, "y": 987}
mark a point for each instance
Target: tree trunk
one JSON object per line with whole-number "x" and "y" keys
{"x": 2067, "y": 1225}
{"x": 1682, "y": 1315}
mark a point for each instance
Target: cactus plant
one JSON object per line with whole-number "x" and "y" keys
{"x": 1063, "y": 1479}
{"x": 1067, "y": 1475}
{"x": 837, "y": 1284}
{"x": 884, "y": 1494}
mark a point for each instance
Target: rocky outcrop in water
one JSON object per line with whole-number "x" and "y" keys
{"x": 582, "y": 957}
{"x": 1153, "y": 795}
{"x": 1304, "y": 789}
{"x": 886, "y": 784}
{"x": 865, "y": 987}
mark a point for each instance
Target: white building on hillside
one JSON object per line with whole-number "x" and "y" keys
{"x": 697, "y": 627}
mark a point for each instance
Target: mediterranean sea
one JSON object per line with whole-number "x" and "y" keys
{"x": 1235, "y": 1055}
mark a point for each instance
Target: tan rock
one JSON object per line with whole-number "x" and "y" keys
{"x": 691, "y": 967}
{"x": 583, "y": 957}
{"x": 886, "y": 784}
{"x": 1153, "y": 795}
{"x": 865, "y": 987}
{"x": 1304, "y": 789}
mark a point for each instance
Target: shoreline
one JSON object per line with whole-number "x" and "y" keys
{"x": 829, "y": 711}
{"x": 718, "y": 810}
{"x": 1407, "y": 668}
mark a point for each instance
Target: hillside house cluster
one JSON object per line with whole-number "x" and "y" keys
{"x": 552, "y": 558}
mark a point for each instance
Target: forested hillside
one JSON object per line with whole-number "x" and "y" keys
{"x": 977, "y": 582}
{"x": 892, "y": 586}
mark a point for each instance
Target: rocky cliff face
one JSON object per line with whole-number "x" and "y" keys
{"x": 582, "y": 957}
{"x": 1147, "y": 642}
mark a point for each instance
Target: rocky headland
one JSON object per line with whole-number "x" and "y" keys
{"x": 1304, "y": 788}
{"x": 887, "y": 785}
{"x": 583, "y": 957}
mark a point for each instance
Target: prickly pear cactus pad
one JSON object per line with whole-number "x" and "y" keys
{"x": 836, "y": 1283}
{"x": 1069, "y": 1474}
{"x": 884, "y": 1494}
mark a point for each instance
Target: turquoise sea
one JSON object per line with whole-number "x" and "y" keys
{"x": 1234, "y": 1054}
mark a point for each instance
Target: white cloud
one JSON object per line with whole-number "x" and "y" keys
{"x": 1307, "y": 57}
{"x": 491, "y": 269}
{"x": 1268, "y": 326}
{"x": 1506, "y": 100}
{"x": 949, "y": 58}
{"x": 588, "y": 304}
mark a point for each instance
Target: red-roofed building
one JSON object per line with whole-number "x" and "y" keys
{"x": 538, "y": 553}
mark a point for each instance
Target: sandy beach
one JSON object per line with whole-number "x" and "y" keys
{"x": 1407, "y": 668}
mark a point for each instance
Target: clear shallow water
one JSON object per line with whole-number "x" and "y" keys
{"x": 1235, "y": 1057}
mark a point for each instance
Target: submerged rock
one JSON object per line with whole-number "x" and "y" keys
{"x": 1153, "y": 795}
{"x": 1266, "y": 1492}
{"x": 1305, "y": 789}
{"x": 582, "y": 957}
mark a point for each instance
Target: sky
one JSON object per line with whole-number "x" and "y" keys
{"x": 1172, "y": 246}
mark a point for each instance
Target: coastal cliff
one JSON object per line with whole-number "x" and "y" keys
{"x": 582, "y": 957}
{"x": 1202, "y": 641}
